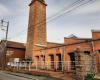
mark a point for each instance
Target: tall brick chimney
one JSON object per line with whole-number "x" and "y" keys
{"x": 37, "y": 27}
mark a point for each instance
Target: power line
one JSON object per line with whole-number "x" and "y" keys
{"x": 67, "y": 7}
{"x": 65, "y": 45}
{"x": 19, "y": 34}
{"x": 63, "y": 13}
{"x": 75, "y": 7}
{"x": 73, "y": 4}
{"x": 42, "y": 22}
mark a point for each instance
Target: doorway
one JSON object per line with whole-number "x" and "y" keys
{"x": 72, "y": 60}
{"x": 52, "y": 61}
{"x": 59, "y": 61}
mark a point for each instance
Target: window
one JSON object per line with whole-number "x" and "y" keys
{"x": 87, "y": 52}
{"x": 9, "y": 53}
{"x": 99, "y": 51}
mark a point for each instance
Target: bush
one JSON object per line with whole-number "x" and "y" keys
{"x": 89, "y": 77}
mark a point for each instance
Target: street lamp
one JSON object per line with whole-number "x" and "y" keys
{"x": 4, "y": 27}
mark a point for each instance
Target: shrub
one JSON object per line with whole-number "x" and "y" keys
{"x": 89, "y": 77}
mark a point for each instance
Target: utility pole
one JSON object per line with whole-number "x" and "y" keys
{"x": 4, "y": 26}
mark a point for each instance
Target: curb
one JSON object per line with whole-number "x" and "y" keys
{"x": 16, "y": 74}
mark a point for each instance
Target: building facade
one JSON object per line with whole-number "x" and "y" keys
{"x": 37, "y": 27}
{"x": 53, "y": 55}
{"x": 14, "y": 51}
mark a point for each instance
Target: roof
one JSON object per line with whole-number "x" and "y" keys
{"x": 53, "y": 44}
{"x": 42, "y": 1}
{"x": 79, "y": 38}
{"x": 72, "y": 36}
{"x": 13, "y": 44}
{"x": 95, "y": 30}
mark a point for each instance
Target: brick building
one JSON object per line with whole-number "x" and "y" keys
{"x": 96, "y": 45}
{"x": 36, "y": 33}
{"x": 55, "y": 54}
{"x": 15, "y": 50}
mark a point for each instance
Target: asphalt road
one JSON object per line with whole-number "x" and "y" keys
{"x": 5, "y": 76}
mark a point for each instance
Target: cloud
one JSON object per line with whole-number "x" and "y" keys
{"x": 89, "y": 9}
{"x": 4, "y": 11}
{"x": 76, "y": 22}
{"x": 14, "y": 8}
{"x": 55, "y": 6}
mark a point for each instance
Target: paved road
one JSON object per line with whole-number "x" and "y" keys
{"x": 6, "y": 76}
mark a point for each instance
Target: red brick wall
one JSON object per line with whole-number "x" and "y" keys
{"x": 15, "y": 53}
{"x": 37, "y": 27}
{"x": 76, "y": 43}
{"x": 96, "y": 36}
{"x": 72, "y": 40}
{"x": 96, "y": 46}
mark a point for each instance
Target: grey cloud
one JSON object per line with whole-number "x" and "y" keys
{"x": 77, "y": 22}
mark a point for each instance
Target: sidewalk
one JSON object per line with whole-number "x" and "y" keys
{"x": 21, "y": 75}
{"x": 42, "y": 74}
{"x": 58, "y": 75}
{"x": 97, "y": 76}
{"x": 30, "y": 77}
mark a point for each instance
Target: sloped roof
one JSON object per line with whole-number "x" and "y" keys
{"x": 53, "y": 44}
{"x": 75, "y": 37}
{"x": 13, "y": 44}
{"x": 95, "y": 30}
{"x": 42, "y": 1}
{"x": 72, "y": 36}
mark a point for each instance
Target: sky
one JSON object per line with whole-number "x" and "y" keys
{"x": 79, "y": 22}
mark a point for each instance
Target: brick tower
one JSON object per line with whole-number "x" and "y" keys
{"x": 37, "y": 27}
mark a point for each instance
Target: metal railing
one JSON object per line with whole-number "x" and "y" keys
{"x": 51, "y": 65}
{"x": 78, "y": 69}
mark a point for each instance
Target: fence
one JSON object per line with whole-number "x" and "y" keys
{"x": 78, "y": 69}
{"x": 51, "y": 65}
